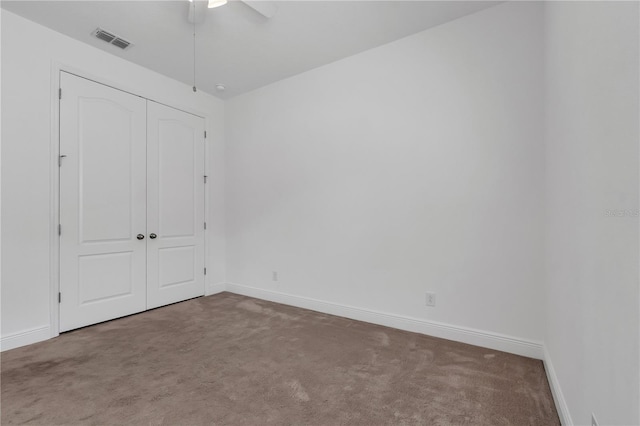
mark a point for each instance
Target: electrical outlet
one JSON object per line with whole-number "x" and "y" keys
{"x": 594, "y": 422}
{"x": 431, "y": 299}
{"x": 274, "y": 276}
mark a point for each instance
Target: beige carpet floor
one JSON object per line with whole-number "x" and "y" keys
{"x": 233, "y": 360}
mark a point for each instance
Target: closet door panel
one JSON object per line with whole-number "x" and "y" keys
{"x": 102, "y": 203}
{"x": 175, "y": 202}
{"x": 176, "y": 167}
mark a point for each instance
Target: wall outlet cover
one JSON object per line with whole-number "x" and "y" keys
{"x": 430, "y": 299}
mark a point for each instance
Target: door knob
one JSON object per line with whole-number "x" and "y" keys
{"x": 140, "y": 237}
{"x": 152, "y": 236}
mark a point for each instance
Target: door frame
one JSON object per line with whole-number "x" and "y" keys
{"x": 54, "y": 189}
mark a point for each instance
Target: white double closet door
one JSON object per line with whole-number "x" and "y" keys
{"x": 131, "y": 204}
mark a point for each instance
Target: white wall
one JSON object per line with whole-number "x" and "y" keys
{"x": 26, "y": 162}
{"x": 0, "y": 175}
{"x": 416, "y": 166}
{"x": 592, "y": 113}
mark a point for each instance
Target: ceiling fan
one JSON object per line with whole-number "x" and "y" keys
{"x": 197, "y": 14}
{"x": 197, "y": 8}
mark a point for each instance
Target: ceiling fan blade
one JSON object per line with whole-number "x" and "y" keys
{"x": 198, "y": 9}
{"x": 266, "y": 8}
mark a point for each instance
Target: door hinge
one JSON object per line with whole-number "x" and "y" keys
{"x": 60, "y": 157}
{"x": 59, "y": 229}
{"x": 60, "y": 93}
{"x": 205, "y": 134}
{"x": 205, "y": 178}
{"x": 205, "y": 271}
{"x": 59, "y": 297}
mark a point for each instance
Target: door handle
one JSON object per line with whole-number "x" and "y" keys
{"x": 140, "y": 237}
{"x": 153, "y": 236}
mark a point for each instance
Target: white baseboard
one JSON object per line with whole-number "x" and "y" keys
{"x": 215, "y": 288}
{"x": 556, "y": 391}
{"x": 446, "y": 331}
{"x": 24, "y": 338}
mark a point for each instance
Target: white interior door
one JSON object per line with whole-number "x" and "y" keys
{"x": 102, "y": 203}
{"x": 175, "y": 203}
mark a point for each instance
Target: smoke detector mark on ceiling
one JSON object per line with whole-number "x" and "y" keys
{"x": 111, "y": 38}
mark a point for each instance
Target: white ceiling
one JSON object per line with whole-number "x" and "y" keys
{"x": 236, "y": 46}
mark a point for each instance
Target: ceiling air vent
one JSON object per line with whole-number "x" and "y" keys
{"x": 111, "y": 38}
{"x": 122, "y": 44}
